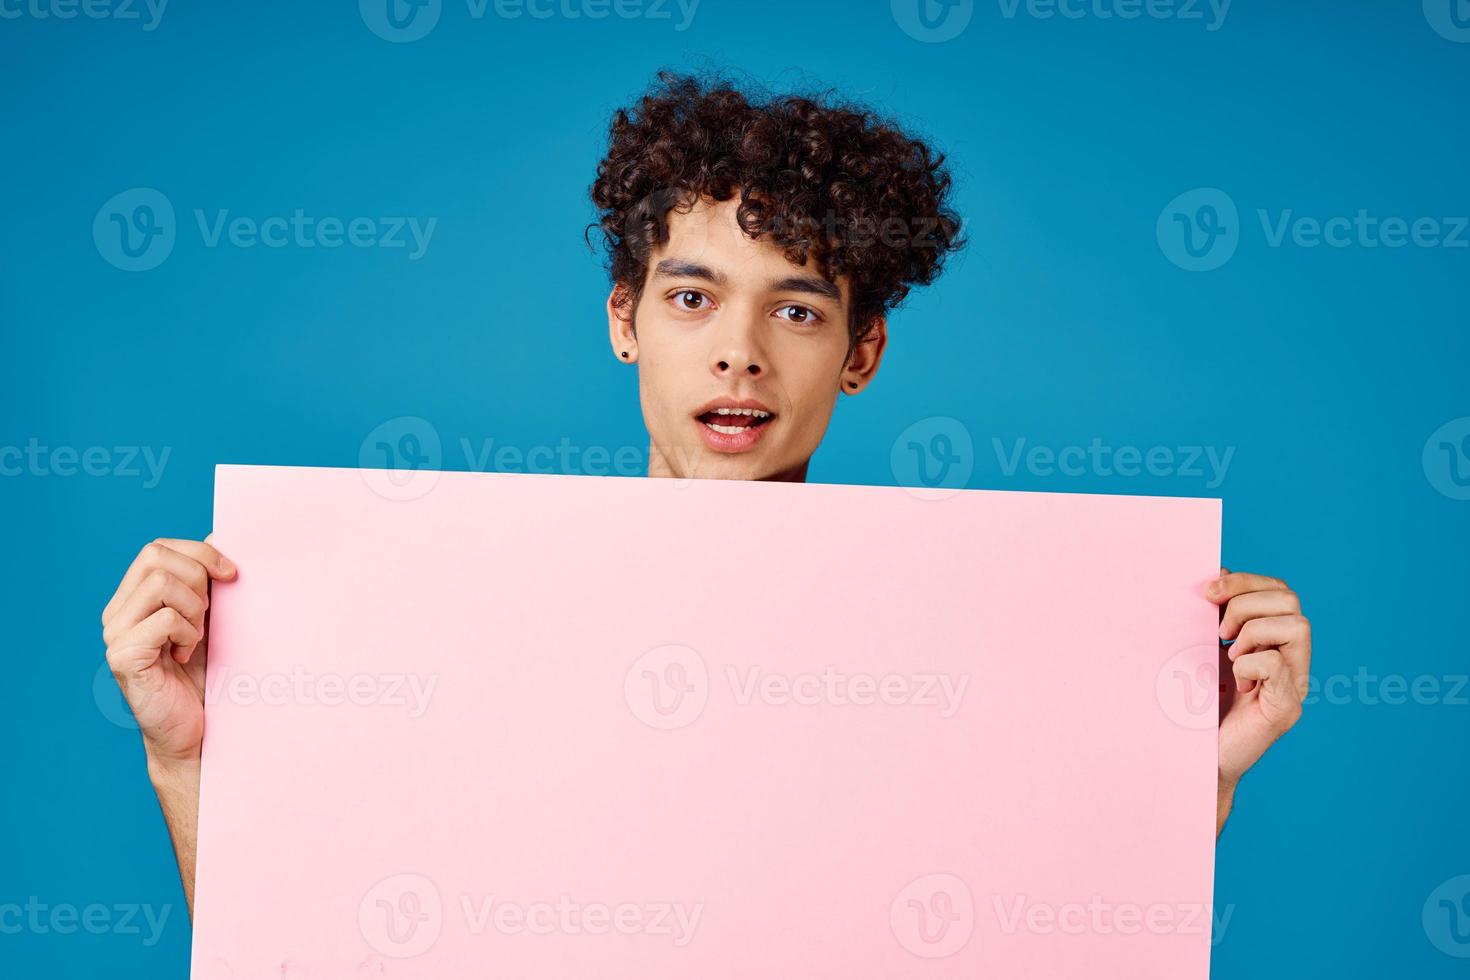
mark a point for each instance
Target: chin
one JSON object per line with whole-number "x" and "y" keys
{"x": 721, "y": 466}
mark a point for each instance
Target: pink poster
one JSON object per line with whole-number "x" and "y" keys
{"x": 484, "y": 725}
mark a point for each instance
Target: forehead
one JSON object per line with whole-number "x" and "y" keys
{"x": 709, "y": 234}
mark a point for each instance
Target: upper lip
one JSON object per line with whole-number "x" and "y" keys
{"x": 746, "y": 405}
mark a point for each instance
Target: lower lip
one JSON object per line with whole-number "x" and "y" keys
{"x": 736, "y": 442}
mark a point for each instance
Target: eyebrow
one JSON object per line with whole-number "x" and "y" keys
{"x": 808, "y": 284}
{"x": 679, "y": 269}
{"x": 813, "y": 285}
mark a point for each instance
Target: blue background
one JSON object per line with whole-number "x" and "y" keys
{"x": 1325, "y": 369}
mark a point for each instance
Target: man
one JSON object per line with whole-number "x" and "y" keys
{"x": 755, "y": 250}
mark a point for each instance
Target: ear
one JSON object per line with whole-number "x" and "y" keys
{"x": 863, "y": 362}
{"x": 620, "y": 324}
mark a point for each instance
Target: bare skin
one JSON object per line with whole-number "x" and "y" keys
{"x": 724, "y": 320}
{"x": 154, "y": 628}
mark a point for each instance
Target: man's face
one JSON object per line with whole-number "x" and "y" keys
{"x": 741, "y": 353}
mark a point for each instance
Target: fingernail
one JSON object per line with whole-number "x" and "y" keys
{"x": 226, "y": 566}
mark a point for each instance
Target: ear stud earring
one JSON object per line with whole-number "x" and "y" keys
{"x": 852, "y": 384}
{"x": 625, "y": 355}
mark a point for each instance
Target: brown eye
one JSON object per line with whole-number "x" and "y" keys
{"x": 797, "y": 314}
{"x": 690, "y": 300}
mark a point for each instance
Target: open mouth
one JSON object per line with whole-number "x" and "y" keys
{"x": 728, "y": 426}
{"x": 734, "y": 421}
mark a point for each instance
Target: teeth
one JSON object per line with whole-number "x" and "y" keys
{"x": 755, "y": 412}
{"x": 729, "y": 430}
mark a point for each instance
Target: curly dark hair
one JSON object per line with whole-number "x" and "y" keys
{"x": 820, "y": 177}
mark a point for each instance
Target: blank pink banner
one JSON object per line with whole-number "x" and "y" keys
{"x": 468, "y": 725}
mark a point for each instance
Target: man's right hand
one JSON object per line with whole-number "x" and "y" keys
{"x": 155, "y": 636}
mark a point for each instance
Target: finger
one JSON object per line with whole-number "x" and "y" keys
{"x": 213, "y": 560}
{"x": 137, "y": 649}
{"x": 166, "y": 553}
{"x": 1231, "y": 584}
{"x": 1257, "y": 605}
{"x": 169, "y": 553}
{"x": 159, "y": 558}
{"x": 1271, "y": 631}
{"x": 1279, "y": 695}
{"x": 158, "y": 589}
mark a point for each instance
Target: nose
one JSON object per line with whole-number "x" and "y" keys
{"x": 737, "y": 354}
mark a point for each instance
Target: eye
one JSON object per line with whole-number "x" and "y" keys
{"x": 799, "y": 314}
{"x": 691, "y": 300}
